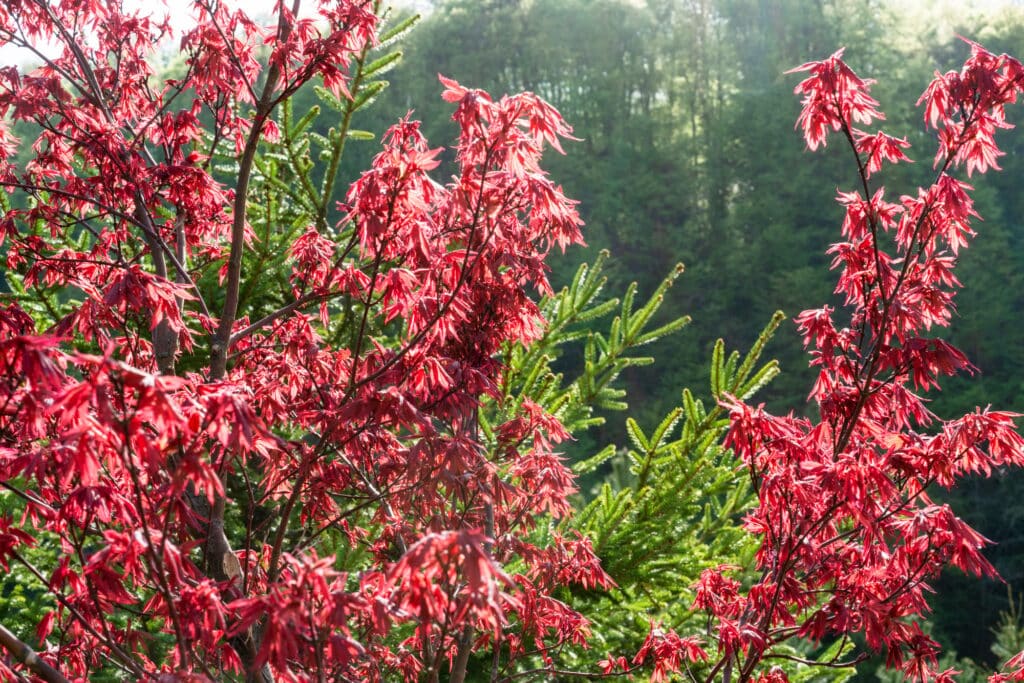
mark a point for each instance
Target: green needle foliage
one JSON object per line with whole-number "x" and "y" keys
{"x": 671, "y": 507}
{"x": 668, "y": 505}
{"x": 571, "y": 316}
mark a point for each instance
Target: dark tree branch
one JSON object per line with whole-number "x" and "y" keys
{"x": 27, "y": 656}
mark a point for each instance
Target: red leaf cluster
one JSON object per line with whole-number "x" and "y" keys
{"x": 850, "y": 537}
{"x": 200, "y": 498}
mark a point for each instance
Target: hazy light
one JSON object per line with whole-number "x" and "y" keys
{"x": 181, "y": 16}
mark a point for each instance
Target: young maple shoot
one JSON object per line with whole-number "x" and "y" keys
{"x": 849, "y": 535}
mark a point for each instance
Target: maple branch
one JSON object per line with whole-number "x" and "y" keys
{"x": 834, "y": 664}
{"x": 148, "y": 230}
{"x": 279, "y": 313}
{"x": 264, "y": 106}
{"x": 443, "y": 309}
{"x": 218, "y": 555}
{"x": 714, "y": 670}
{"x": 116, "y": 649}
{"x": 871, "y": 365}
{"x": 165, "y": 339}
{"x": 210, "y": 7}
{"x": 551, "y": 671}
{"x": 368, "y": 304}
{"x": 872, "y": 217}
{"x": 83, "y": 62}
{"x": 155, "y": 560}
{"x": 27, "y": 656}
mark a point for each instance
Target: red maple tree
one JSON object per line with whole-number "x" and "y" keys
{"x": 850, "y": 535}
{"x": 184, "y": 464}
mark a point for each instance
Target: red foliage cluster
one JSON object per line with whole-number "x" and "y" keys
{"x": 850, "y": 536}
{"x": 124, "y": 464}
